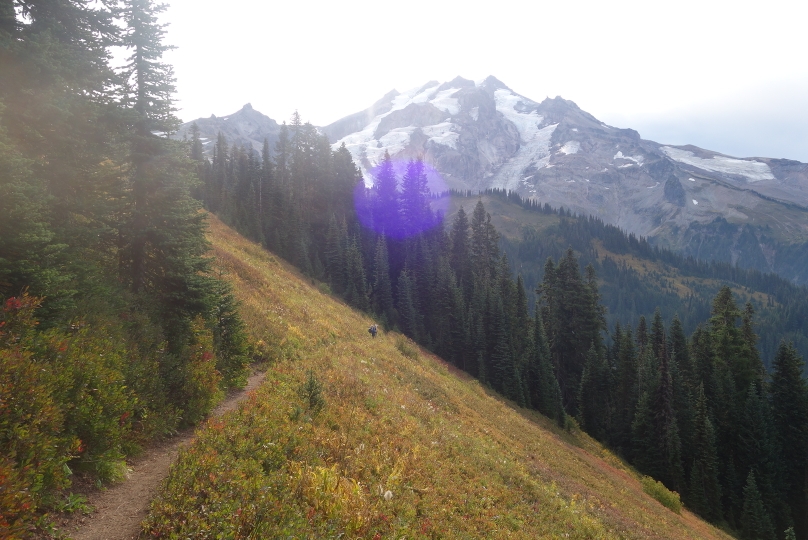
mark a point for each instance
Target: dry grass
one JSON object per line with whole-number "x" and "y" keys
{"x": 459, "y": 461}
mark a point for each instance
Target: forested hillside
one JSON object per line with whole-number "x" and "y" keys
{"x": 113, "y": 331}
{"x": 700, "y": 414}
{"x": 635, "y": 278}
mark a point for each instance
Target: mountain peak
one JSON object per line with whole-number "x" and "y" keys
{"x": 493, "y": 83}
{"x": 247, "y": 107}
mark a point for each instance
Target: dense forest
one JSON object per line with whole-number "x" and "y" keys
{"x": 701, "y": 414}
{"x": 113, "y": 331}
{"x": 627, "y": 293}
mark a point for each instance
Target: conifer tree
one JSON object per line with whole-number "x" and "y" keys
{"x": 164, "y": 244}
{"x": 594, "y": 401}
{"x": 789, "y": 398}
{"x": 408, "y": 316}
{"x": 627, "y": 393}
{"x": 758, "y": 453}
{"x": 415, "y": 212}
{"x": 666, "y": 429}
{"x": 382, "y": 287}
{"x": 544, "y": 393}
{"x": 386, "y": 205}
{"x": 460, "y": 252}
{"x": 755, "y": 521}
{"x": 704, "y": 491}
{"x": 356, "y": 293}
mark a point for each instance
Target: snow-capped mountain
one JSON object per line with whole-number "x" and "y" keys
{"x": 480, "y": 135}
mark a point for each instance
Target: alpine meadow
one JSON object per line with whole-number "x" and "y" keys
{"x": 470, "y": 318}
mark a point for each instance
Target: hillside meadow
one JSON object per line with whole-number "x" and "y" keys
{"x": 356, "y": 437}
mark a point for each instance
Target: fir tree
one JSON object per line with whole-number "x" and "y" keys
{"x": 382, "y": 287}
{"x": 789, "y": 398}
{"x": 460, "y": 252}
{"x": 594, "y": 404}
{"x": 755, "y": 521}
{"x": 386, "y": 206}
{"x": 704, "y": 490}
{"x": 408, "y": 316}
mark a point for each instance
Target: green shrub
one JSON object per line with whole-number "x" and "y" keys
{"x": 406, "y": 348}
{"x": 312, "y": 393}
{"x": 34, "y": 450}
{"x": 657, "y": 490}
{"x": 200, "y": 389}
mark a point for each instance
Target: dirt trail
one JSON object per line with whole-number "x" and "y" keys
{"x": 121, "y": 508}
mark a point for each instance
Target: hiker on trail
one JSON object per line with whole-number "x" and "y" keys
{"x": 373, "y": 329}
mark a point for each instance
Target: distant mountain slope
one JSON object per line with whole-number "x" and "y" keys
{"x": 457, "y": 461}
{"x": 636, "y": 278}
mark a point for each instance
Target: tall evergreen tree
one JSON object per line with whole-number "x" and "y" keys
{"x": 789, "y": 398}
{"x": 544, "y": 393}
{"x": 595, "y": 406}
{"x": 382, "y": 287}
{"x": 704, "y": 490}
{"x": 460, "y": 258}
{"x": 755, "y": 521}
{"x": 408, "y": 315}
{"x": 386, "y": 204}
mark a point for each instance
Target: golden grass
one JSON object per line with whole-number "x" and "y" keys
{"x": 458, "y": 460}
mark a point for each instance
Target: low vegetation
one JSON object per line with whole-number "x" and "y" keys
{"x": 657, "y": 490}
{"x": 403, "y": 445}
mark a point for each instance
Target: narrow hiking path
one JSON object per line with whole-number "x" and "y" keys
{"x": 120, "y": 509}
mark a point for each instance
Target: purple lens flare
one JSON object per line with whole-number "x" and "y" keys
{"x": 397, "y": 214}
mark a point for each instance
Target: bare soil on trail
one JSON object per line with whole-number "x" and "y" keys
{"x": 120, "y": 509}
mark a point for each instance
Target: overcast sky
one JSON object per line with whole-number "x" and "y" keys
{"x": 727, "y": 76}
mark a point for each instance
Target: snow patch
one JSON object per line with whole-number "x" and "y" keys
{"x": 574, "y": 129}
{"x": 652, "y": 187}
{"x": 754, "y": 171}
{"x": 571, "y": 147}
{"x": 442, "y": 133}
{"x": 526, "y": 123}
{"x": 445, "y": 102}
{"x": 636, "y": 159}
{"x": 695, "y": 202}
{"x": 474, "y": 113}
{"x": 533, "y": 153}
{"x": 692, "y": 179}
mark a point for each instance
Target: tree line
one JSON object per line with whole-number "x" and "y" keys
{"x": 701, "y": 414}
{"x": 113, "y": 331}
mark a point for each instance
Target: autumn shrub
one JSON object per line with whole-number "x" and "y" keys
{"x": 87, "y": 365}
{"x": 657, "y": 490}
{"x": 34, "y": 450}
{"x": 406, "y": 348}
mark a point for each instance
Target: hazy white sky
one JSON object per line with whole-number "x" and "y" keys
{"x": 727, "y": 76}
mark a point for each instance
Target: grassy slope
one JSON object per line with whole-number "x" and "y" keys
{"x": 459, "y": 461}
